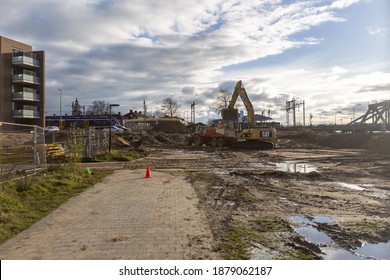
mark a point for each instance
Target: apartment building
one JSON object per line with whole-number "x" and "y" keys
{"x": 22, "y": 83}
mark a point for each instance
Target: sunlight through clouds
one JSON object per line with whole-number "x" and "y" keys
{"x": 120, "y": 50}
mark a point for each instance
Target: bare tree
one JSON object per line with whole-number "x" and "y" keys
{"x": 170, "y": 106}
{"x": 222, "y": 101}
{"x": 98, "y": 108}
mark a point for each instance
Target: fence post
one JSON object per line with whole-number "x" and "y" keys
{"x": 35, "y": 149}
{"x": 42, "y": 133}
{"x": 90, "y": 142}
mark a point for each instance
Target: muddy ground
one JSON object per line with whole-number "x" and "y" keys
{"x": 301, "y": 200}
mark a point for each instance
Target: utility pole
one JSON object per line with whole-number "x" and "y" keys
{"x": 193, "y": 112}
{"x": 109, "y": 129}
{"x": 60, "y": 90}
{"x": 293, "y": 105}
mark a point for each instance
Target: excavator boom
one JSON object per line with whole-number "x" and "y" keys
{"x": 231, "y": 113}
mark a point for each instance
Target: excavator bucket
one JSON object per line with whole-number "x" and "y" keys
{"x": 229, "y": 114}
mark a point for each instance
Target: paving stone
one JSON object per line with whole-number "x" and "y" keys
{"x": 125, "y": 216}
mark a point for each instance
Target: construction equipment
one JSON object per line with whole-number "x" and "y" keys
{"x": 232, "y": 132}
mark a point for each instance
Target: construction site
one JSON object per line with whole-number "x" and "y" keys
{"x": 296, "y": 192}
{"x": 316, "y": 194}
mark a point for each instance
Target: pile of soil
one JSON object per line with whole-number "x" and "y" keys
{"x": 10, "y": 139}
{"x": 367, "y": 141}
{"x": 380, "y": 143}
{"x": 312, "y": 139}
{"x": 171, "y": 127}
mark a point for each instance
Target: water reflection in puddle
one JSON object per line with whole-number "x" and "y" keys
{"x": 344, "y": 185}
{"x": 313, "y": 235}
{"x": 379, "y": 250}
{"x": 366, "y": 189}
{"x": 307, "y": 228}
{"x": 289, "y": 167}
{"x": 322, "y": 219}
{"x": 294, "y": 167}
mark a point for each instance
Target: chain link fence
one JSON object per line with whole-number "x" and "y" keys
{"x": 22, "y": 150}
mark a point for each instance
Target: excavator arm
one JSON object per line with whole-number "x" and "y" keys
{"x": 231, "y": 113}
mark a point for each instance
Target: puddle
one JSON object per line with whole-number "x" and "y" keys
{"x": 300, "y": 220}
{"x": 307, "y": 228}
{"x": 338, "y": 254}
{"x": 355, "y": 187}
{"x": 369, "y": 251}
{"x": 289, "y": 167}
{"x": 294, "y": 167}
{"x": 313, "y": 235}
{"x": 379, "y": 250}
{"x": 322, "y": 219}
{"x": 368, "y": 189}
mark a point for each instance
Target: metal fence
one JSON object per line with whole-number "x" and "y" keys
{"x": 22, "y": 150}
{"x": 79, "y": 143}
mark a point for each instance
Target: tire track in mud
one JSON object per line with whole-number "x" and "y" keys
{"x": 237, "y": 188}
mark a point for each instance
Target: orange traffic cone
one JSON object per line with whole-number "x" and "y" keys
{"x": 148, "y": 175}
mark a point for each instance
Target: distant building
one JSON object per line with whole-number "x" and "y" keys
{"x": 131, "y": 115}
{"x": 22, "y": 83}
{"x": 76, "y": 108}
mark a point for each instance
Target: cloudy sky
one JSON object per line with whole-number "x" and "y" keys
{"x": 333, "y": 54}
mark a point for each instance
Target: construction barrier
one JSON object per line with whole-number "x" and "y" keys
{"x": 22, "y": 149}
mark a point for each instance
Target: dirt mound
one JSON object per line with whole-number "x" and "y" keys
{"x": 171, "y": 127}
{"x": 380, "y": 143}
{"x": 345, "y": 141}
{"x": 10, "y": 139}
{"x": 375, "y": 142}
{"x": 306, "y": 139}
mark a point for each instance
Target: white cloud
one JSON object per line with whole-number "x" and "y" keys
{"x": 341, "y": 4}
{"x": 374, "y": 31}
{"x": 128, "y": 51}
{"x": 338, "y": 70}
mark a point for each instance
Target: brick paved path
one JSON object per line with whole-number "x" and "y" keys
{"x": 124, "y": 217}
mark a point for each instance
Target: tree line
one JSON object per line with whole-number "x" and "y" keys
{"x": 169, "y": 106}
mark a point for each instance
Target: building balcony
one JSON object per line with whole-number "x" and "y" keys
{"x": 26, "y": 94}
{"x": 26, "y": 114}
{"x": 25, "y": 61}
{"x": 25, "y": 78}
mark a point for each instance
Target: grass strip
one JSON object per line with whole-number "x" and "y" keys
{"x": 25, "y": 201}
